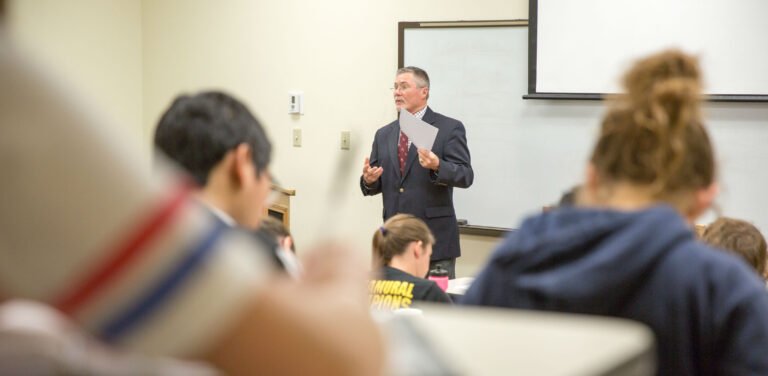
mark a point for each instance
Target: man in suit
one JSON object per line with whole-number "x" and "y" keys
{"x": 420, "y": 181}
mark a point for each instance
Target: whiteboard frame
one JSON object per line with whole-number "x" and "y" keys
{"x": 533, "y": 7}
{"x": 405, "y": 25}
{"x": 402, "y": 26}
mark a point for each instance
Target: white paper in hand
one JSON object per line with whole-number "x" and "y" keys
{"x": 420, "y": 133}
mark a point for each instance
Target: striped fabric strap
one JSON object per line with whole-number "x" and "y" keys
{"x": 102, "y": 275}
{"x": 193, "y": 258}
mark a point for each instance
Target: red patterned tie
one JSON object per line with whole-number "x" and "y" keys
{"x": 402, "y": 151}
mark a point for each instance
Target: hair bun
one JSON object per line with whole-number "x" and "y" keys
{"x": 653, "y": 135}
{"x": 658, "y": 68}
{"x": 675, "y": 102}
{"x": 665, "y": 89}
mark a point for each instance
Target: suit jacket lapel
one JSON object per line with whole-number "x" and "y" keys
{"x": 429, "y": 116}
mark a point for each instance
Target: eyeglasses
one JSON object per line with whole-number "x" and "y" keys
{"x": 402, "y": 87}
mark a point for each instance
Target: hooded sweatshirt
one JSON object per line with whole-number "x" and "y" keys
{"x": 707, "y": 309}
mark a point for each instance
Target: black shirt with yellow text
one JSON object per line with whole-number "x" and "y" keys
{"x": 398, "y": 289}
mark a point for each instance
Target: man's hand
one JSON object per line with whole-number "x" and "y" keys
{"x": 371, "y": 174}
{"x": 428, "y": 159}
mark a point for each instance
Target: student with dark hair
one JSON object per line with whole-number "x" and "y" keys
{"x": 627, "y": 249}
{"x": 568, "y": 198}
{"x": 274, "y": 227}
{"x": 401, "y": 250}
{"x": 224, "y": 148}
{"x": 217, "y": 140}
{"x": 741, "y": 238}
{"x": 276, "y": 235}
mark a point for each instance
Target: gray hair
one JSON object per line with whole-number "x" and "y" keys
{"x": 420, "y": 75}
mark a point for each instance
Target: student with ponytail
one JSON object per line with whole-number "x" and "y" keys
{"x": 401, "y": 251}
{"x": 627, "y": 248}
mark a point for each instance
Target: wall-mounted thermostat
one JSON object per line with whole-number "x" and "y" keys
{"x": 295, "y": 102}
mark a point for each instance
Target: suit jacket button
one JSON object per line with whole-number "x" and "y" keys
{"x": 402, "y": 190}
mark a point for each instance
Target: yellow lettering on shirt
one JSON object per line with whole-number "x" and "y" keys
{"x": 390, "y": 295}
{"x": 379, "y": 287}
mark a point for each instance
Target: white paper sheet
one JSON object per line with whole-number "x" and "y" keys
{"x": 420, "y": 133}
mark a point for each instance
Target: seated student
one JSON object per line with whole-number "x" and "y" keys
{"x": 225, "y": 150}
{"x": 627, "y": 249}
{"x": 568, "y": 198}
{"x": 141, "y": 266}
{"x": 401, "y": 250}
{"x": 275, "y": 228}
{"x": 283, "y": 244}
{"x": 740, "y": 237}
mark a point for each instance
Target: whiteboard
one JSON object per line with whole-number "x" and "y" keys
{"x": 526, "y": 153}
{"x": 478, "y": 75}
{"x": 584, "y": 46}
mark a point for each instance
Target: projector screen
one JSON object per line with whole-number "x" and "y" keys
{"x": 582, "y": 47}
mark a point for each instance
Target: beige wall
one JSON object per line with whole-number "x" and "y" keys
{"x": 476, "y": 250}
{"x": 342, "y": 54}
{"x": 132, "y": 57}
{"x": 94, "y": 45}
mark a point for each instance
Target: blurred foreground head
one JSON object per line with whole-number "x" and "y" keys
{"x": 653, "y": 146}
{"x": 85, "y": 228}
{"x": 133, "y": 260}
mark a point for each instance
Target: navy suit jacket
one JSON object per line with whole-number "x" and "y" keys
{"x": 419, "y": 191}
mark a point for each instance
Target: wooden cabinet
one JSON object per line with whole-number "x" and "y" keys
{"x": 280, "y": 206}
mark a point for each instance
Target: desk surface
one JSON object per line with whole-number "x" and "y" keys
{"x": 459, "y": 286}
{"x": 482, "y": 341}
